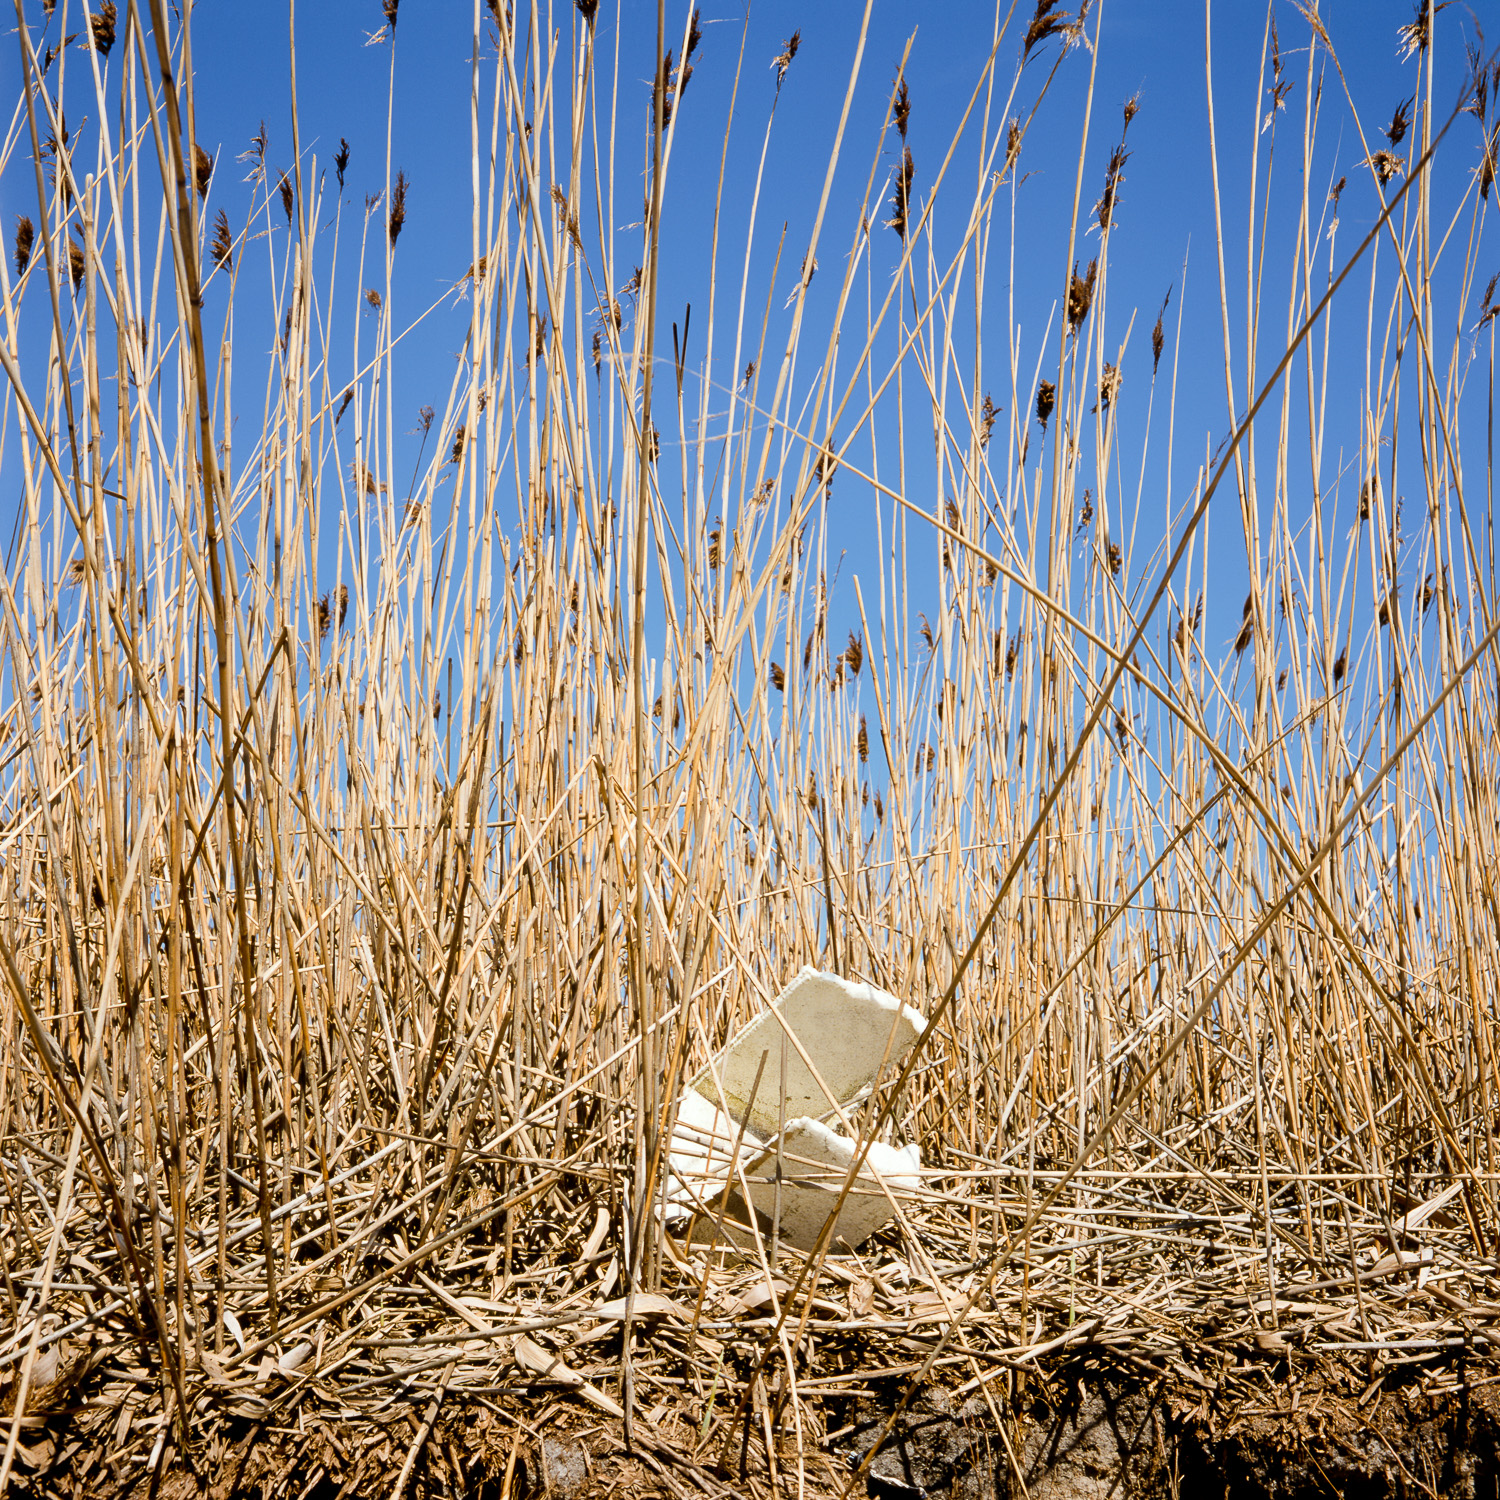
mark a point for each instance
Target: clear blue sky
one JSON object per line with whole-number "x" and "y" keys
{"x": 1154, "y": 51}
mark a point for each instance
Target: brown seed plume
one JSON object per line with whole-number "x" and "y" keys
{"x": 223, "y": 241}
{"x": 1158, "y": 336}
{"x": 778, "y": 677}
{"x": 288, "y": 202}
{"x": 1081, "y": 294}
{"x": 341, "y": 160}
{"x": 397, "y": 216}
{"x": 77, "y": 264}
{"x": 901, "y": 106}
{"x": 853, "y": 655}
{"x": 862, "y": 741}
{"x": 1109, "y": 386}
{"x": 102, "y": 24}
{"x": 1046, "y": 399}
{"x": 389, "y": 9}
{"x": 25, "y": 235}
{"x": 783, "y": 59}
{"x": 1047, "y": 21}
{"x": 1395, "y": 132}
{"x": 904, "y": 174}
{"x": 986, "y": 420}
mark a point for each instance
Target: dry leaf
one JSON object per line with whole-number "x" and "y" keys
{"x": 536, "y": 1361}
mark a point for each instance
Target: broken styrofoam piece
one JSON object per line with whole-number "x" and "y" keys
{"x": 843, "y": 1029}
{"x": 822, "y": 1043}
{"x": 815, "y": 1162}
{"x": 702, "y": 1150}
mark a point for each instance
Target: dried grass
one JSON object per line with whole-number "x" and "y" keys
{"x": 361, "y": 919}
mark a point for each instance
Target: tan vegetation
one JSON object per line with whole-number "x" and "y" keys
{"x": 381, "y": 851}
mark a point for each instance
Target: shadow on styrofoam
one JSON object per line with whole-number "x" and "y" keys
{"x": 780, "y": 1148}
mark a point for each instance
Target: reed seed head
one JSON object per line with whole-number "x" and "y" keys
{"x": 203, "y": 169}
{"x": 987, "y": 411}
{"x": 1048, "y": 21}
{"x": 102, "y": 25}
{"x": 784, "y": 58}
{"x": 1046, "y": 399}
{"x": 904, "y": 174}
{"x": 223, "y": 242}
{"x": 1081, "y": 294}
{"x": 901, "y": 106}
{"x": 77, "y": 264}
{"x": 397, "y": 217}
{"x": 288, "y": 200}
{"x": 1395, "y": 132}
{"x": 25, "y": 235}
{"x": 1109, "y": 386}
{"x": 341, "y": 160}
{"x": 778, "y": 677}
{"x": 388, "y": 9}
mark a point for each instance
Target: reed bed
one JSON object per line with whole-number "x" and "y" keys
{"x": 385, "y": 841}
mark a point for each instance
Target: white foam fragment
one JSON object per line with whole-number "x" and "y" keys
{"x": 824, "y": 1042}
{"x": 815, "y": 1162}
{"x": 834, "y": 1029}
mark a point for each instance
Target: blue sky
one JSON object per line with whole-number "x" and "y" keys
{"x": 1152, "y": 52}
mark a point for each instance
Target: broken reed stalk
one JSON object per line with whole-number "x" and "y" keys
{"x": 516, "y": 785}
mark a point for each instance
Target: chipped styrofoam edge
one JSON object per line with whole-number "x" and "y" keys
{"x": 815, "y": 1162}
{"x": 728, "y": 1081}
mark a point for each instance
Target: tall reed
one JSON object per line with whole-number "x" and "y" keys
{"x": 382, "y": 848}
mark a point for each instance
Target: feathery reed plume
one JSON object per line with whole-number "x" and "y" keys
{"x": 1081, "y": 294}
{"x": 343, "y": 406}
{"x": 1415, "y": 35}
{"x": 778, "y": 676}
{"x": 223, "y": 242}
{"x": 203, "y": 169}
{"x": 853, "y": 655}
{"x": 1386, "y": 165}
{"x": 288, "y": 200}
{"x": 25, "y": 234}
{"x": 862, "y": 741}
{"x": 77, "y": 264}
{"x": 342, "y": 596}
{"x": 1109, "y": 385}
{"x": 987, "y": 411}
{"x": 1395, "y": 132}
{"x": 1247, "y": 626}
{"x": 75, "y": 573}
{"x": 388, "y": 9}
{"x": 783, "y": 59}
{"x": 1158, "y": 336}
{"x": 901, "y": 105}
{"x": 458, "y": 444}
{"x": 397, "y": 215}
{"x": 588, "y": 9}
{"x": 1012, "y": 145}
{"x": 341, "y": 161}
{"x": 102, "y": 25}
{"x": 325, "y": 618}
{"x": 904, "y": 174}
{"x": 373, "y": 297}
{"x": 255, "y": 154}
{"x": 1047, "y": 22}
{"x": 1046, "y": 397}
{"x": 1114, "y": 175}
